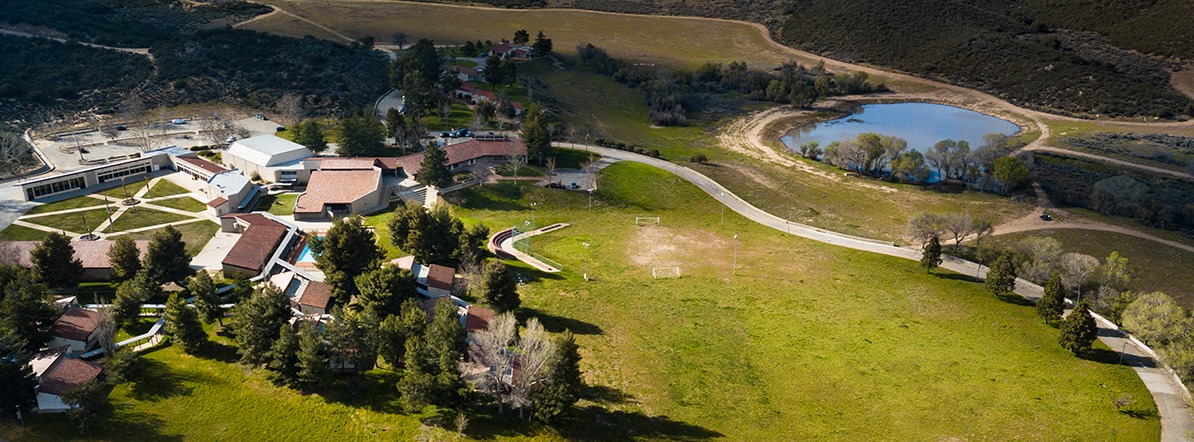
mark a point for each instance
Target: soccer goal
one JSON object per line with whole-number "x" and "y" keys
{"x": 646, "y": 220}
{"x": 665, "y": 273}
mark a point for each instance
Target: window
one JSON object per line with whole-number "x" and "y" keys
{"x": 54, "y": 187}
{"x": 134, "y": 169}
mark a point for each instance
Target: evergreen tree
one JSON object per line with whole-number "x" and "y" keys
{"x": 1052, "y": 303}
{"x": 383, "y": 291}
{"x": 207, "y": 303}
{"x": 131, "y": 294}
{"x": 562, "y": 385}
{"x": 542, "y": 45}
{"x": 283, "y": 357}
{"x": 349, "y": 249}
{"x": 397, "y": 329}
{"x": 310, "y": 135}
{"x": 25, "y": 315}
{"x": 400, "y": 223}
{"x": 256, "y": 320}
{"x": 241, "y": 288}
{"x": 125, "y": 258}
{"x": 395, "y": 122}
{"x": 166, "y": 259}
{"x": 473, "y": 241}
{"x": 433, "y": 362}
{"x": 352, "y": 338}
{"x": 312, "y": 355}
{"x": 434, "y": 236}
{"x": 1001, "y": 277}
{"x": 54, "y": 262}
{"x": 361, "y": 136}
{"x": 88, "y": 404}
{"x": 16, "y": 381}
{"x": 1079, "y": 330}
{"x": 182, "y": 325}
{"x": 521, "y": 37}
{"x": 535, "y": 134}
{"x": 498, "y": 287}
{"x": 418, "y": 384}
{"x": 932, "y": 254}
{"x": 433, "y": 171}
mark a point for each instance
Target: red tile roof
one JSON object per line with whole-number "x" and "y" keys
{"x": 202, "y": 164}
{"x": 316, "y": 295}
{"x": 68, "y": 374}
{"x": 463, "y": 152}
{"x": 76, "y": 324}
{"x": 359, "y": 163}
{"x": 336, "y": 187}
{"x": 440, "y": 277}
{"x": 93, "y": 254}
{"x": 501, "y": 48}
{"x": 477, "y": 319}
{"x": 472, "y": 72}
{"x": 487, "y": 94}
{"x": 219, "y": 201}
{"x": 257, "y": 244}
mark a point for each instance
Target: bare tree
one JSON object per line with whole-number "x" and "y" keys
{"x": 551, "y": 167}
{"x": 534, "y": 349}
{"x": 926, "y": 225}
{"x": 13, "y": 152}
{"x": 217, "y": 127}
{"x": 491, "y": 351}
{"x": 515, "y": 161}
{"x": 291, "y": 107}
{"x": 590, "y": 168}
{"x": 1044, "y": 258}
{"x": 398, "y": 38}
{"x": 1077, "y": 270}
{"x": 106, "y": 331}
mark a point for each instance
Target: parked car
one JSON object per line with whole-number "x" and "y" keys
{"x": 445, "y": 134}
{"x": 121, "y": 127}
{"x": 231, "y": 139}
{"x": 261, "y": 117}
{"x": 464, "y": 133}
{"x": 1046, "y": 217}
{"x": 178, "y": 121}
{"x": 573, "y": 186}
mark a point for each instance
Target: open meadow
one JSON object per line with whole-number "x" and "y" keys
{"x": 801, "y": 341}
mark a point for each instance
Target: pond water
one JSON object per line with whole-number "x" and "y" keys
{"x": 921, "y": 124}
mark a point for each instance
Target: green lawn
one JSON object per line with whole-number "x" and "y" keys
{"x": 1155, "y": 267}
{"x": 379, "y": 222}
{"x": 20, "y": 233}
{"x": 465, "y": 63}
{"x": 806, "y": 342}
{"x": 73, "y": 222}
{"x": 278, "y": 204}
{"x": 73, "y": 203}
{"x": 460, "y": 116}
{"x": 571, "y": 158}
{"x": 137, "y": 328}
{"x": 182, "y": 203}
{"x": 132, "y": 184}
{"x": 523, "y": 171}
{"x": 195, "y": 234}
{"x": 143, "y": 217}
{"x": 165, "y": 188}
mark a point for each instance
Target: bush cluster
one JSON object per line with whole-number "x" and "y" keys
{"x": 654, "y": 153}
{"x": 1154, "y": 200}
{"x": 125, "y": 23}
{"x": 43, "y": 72}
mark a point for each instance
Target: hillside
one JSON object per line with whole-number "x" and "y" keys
{"x": 1082, "y": 57}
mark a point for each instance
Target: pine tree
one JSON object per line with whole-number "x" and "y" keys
{"x": 131, "y": 294}
{"x": 16, "y": 381}
{"x": 352, "y": 337}
{"x": 361, "y": 136}
{"x": 1052, "y": 303}
{"x": 255, "y": 322}
{"x": 310, "y": 135}
{"x": 54, "y": 262}
{"x": 400, "y": 224}
{"x": 542, "y": 45}
{"x": 535, "y": 133}
{"x": 349, "y": 249}
{"x": 434, "y": 236}
{"x": 207, "y": 303}
{"x": 283, "y": 357}
{"x": 125, "y": 258}
{"x": 397, "y": 329}
{"x": 25, "y": 315}
{"x": 312, "y": 355}
{"x": 182, "y": 325}
{"x": 562, "y": 385}
{"x": 433, "y": 171}
{"x": 498, "y": 287}
{"x": 932, "y": 254}
{"x": 433, "y": 361}
{"x": 166, "y": 259}
{"x": 1001, "y": 277}
{"x": 1079, "y": 330}
{"x": 88, "y": 404}
{"x": 383, "y": 291}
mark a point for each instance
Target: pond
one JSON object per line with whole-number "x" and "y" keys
{"x": 921, "y": 124}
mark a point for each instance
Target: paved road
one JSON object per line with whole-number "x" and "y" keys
{"x": 1118, "y": 162}
{"x": 1166, "y": 389}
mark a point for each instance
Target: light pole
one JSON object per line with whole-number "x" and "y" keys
{"x": 723, "y": 208}
{"x": 590, "y": 200}
{"x": 586, "y": 261}
{"x": 735, "y": 268}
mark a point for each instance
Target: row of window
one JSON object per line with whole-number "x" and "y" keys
{"x": 54, "y": 187}
{"x": 133, "y": 170}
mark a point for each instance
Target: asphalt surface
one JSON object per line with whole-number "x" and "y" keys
{"x": 1167, "y": 391}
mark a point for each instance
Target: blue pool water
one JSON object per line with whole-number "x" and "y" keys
{"x": 307, "y": 255}
{"x": 921, "y": 124}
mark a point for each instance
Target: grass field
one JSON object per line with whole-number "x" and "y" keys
{"x": 182, "y": 203}
{"x": 663, "y": 40}
{"x": 195, "y": 234}
{"x": 73, "y": 203}
{"x": 806, "y": 342}
{"x": 165, "y": 188}
{"x": 459, "y": 117}
{"x": 143, "y": 217}
{"x": 281, "y": 204}
{"x": 73, "y": 222}
{"x": 132, "y": 184}
{"x": 21, "y": 233}
{"x": 1155, "y": 266}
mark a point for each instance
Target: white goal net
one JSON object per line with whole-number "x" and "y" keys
{"x": 646, "y": 220}
{"x": 665, "y": 272}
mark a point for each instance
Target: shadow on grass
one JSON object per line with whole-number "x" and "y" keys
{"x": 146, "y": 427}
{"x": 557, "y": 324}
{"x": 1012, "y": 298}
{"x": 374, "y": 389}
{"x": 218, "y": 352}
{"x": 597, "y": 423}
{"x": 945, "y": 187}
{"x": 155, "y": 381}
{"x": 957, "y": 277}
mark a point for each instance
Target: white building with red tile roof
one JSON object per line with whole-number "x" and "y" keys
{"x": 77, "y": 329}
{"x": 93, "y": 255}
{"x": 337, "y": 192}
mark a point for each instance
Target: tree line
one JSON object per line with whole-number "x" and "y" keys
{"x": 989, "y": 167}
{"x": 670, "y": 95}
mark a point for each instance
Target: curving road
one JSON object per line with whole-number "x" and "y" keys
{"x": 1166, "y": 389}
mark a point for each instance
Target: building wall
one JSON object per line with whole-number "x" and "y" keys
{"x": 372, "y": 202}
{"x": 246, "y": 167}
{"x": 230, "y": 271}
{"x": 75, "y": 346}
{"x": 50, "y": 403}
{"x": 96, "y": 178}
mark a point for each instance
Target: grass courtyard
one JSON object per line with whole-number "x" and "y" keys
{"x": 280, "y": 204}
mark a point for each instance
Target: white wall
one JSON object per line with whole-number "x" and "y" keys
{"x": 49, "y": 403}
{"x": 75, "y": 346}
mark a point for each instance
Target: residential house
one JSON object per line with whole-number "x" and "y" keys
{"x": 77, "y": 329}
{"x": 230, "y": 191}
{"x": 93, "y": 255}
{"x": 306, "y": 295}
{"x": 56, "y": 373}
{"x": 260, "y": 239}
{"x": 336, "y": 193}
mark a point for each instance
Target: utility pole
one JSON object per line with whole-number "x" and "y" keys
{"x": 735, "y": 268}
{"x": 586, "y": 261}
{"x": 723, "y": 208}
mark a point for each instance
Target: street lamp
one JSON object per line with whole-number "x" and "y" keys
{"x": 723, "y": 208}
{"x": 586, "y": 261}
{"x": 590, "y": 199}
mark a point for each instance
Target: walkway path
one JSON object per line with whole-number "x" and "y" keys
{"x": 1166, "y": 389}
{"x": 507, "y": 246}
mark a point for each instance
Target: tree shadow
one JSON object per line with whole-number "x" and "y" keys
{"x": 1012, "y": 298}
{"x": 945, "y": 187}
{"x": 603, "y": 394}
{"x": 374, "y": 389}
{"x": 956, "y": 277}
{"x": 146, "y": 427}
{"x": 155, "y": 381}
{"x": 218, "y": 352}
{"x": 598, "y": 423}
{"x": 557, "y": 324}
{"x": 1107, "y": 356}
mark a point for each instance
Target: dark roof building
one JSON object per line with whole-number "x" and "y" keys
{"x": 256, "y": 244}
